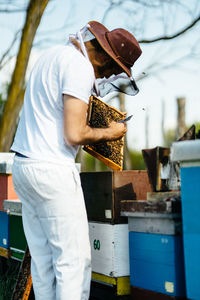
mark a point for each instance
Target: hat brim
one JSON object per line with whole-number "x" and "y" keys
{"x": 99, "y": 31}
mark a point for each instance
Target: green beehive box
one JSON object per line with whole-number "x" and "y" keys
{"x": 17, "y": 238}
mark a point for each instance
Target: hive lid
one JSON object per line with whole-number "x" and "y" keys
{"x": 6, "y": 162}
{"x": 185, "y": 151}
{"x": 13, "y": 207}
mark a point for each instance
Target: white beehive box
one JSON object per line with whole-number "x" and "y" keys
{"x": 109, "y": 249}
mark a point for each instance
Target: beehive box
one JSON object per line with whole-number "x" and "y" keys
{"x": 156, "y": 263}
{"x": 100, "y": 114}
{"x": 154, "y": 216}
{"x": 110, "y": 258}
{"x": 188, "y": 154}
{"x": 109, "y": 249}
{"x": 103, "y": 192}
{"x": 6, "y": 184}
{"x": 163, "y": 223}
{"x": 17, "y": 237}
{"x": 4, "y": 234}
{"x": 4, "y": 230}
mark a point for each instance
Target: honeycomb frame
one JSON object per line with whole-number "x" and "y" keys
{"x": 100, "y": 114}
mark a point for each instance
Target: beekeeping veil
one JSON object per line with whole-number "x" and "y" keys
{"x": 122, "y": 47}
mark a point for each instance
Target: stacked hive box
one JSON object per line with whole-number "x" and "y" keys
{"x": 4, "y": 234}
{"x": 188, "y": 154}
{"x": 156, "y": 250}
{"x": 6, "y": 185}
{"x": 103, "y": 192}
{"x": 17, "y": 238}
{"x": 19, "y": 251}
{"x": 12, "y": 239}
{"x": 11, "y": 232}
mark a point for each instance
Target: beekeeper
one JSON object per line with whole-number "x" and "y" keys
{"x": 51, "y": 128}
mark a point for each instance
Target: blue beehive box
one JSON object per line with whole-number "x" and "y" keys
{"x": 156, "y": 263}
{"x": 188, "y": 153}
{"x": 190, "y": 177}
{"x": 4, "y": 230}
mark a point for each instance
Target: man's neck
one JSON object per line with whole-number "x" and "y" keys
{"x": 76, "y": 44}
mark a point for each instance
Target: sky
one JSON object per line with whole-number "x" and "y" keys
{"x": 172, "y": 73}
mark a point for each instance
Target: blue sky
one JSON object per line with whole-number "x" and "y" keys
{"x": 181, "y": 79}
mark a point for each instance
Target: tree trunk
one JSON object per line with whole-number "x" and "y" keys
{"x": 147, "y": 129}
{"x": 127, "y": 158}
{"x": 181, "y": 127}
{"x": 163, "y": 122}
{"x": 15, "y": 96}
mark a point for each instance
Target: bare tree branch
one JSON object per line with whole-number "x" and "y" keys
{"x": 5, "y": 57}
{"x": 155, "y": 68}
{"x": 14, "y": 7}
{"x": 170, "y": 37}
{"x": 11, "y": 11}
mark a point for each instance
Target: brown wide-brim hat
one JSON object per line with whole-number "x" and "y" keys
{"x": 119, "y": 44}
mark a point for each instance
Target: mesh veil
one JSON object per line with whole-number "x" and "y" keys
{"x": 115, "y": 83}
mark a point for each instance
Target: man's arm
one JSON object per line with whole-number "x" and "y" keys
{"x": 76, "y": 130}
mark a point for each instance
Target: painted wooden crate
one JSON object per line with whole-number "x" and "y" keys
{"x": 188, "y": 154}
{"x": 109, "y": 246}
{"x": 103, "y": 192}
{"x": 4, "y": 234}
{"x": 4, "y": 230}
{"x": 110, "y": 256}
{"x": 6, "y": 184}
{"x": 159, "y": 223}
{"x": 156, "y": 263}
{"x": 17, "y": 238}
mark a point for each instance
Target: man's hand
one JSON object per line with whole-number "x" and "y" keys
{"x": 117, "y": 130}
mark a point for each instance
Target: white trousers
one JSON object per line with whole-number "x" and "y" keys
{"x": 56, "y": 228}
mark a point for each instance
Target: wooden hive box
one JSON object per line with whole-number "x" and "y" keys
{"x": 157, "y": 263}
{"x": 16, "y": 232}
{"x": 4, "y": 234}
{"x": 6, "y": 183}
{"x": 110, "y": 258}
{"x": 6, "y": 188}
{"x": 104, "y": 191}
{"x": 100, "y": 114}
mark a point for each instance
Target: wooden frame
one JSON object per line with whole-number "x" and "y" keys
{"x": 117, "y": 116}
